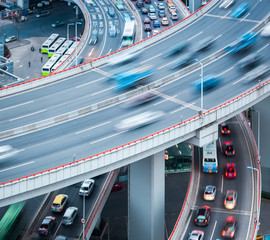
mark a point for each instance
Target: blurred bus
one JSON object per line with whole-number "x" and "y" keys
{"x": 64, "y": 47}
{"x": 47, "y": 68}
{"x": 59, "y": 62}
{"x": 10, "y": 222}
{"x": 128, "y": 34}
{"x": 54, "y": 48}
{"x": 210, "y": 162}
{"x": 71, "y": 48}
{"x": 49, "y": 42}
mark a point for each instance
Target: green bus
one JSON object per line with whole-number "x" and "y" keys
{"x": 48, "y": 43}
{"x": 9, "y": 222}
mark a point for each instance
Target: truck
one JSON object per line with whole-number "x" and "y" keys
{"x": 210, "y": 161}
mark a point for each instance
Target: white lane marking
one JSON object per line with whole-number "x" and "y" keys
{"x": 244, "y": 17}
{"x": 20, "y": 65}
{"x": 150, "y": 58}
{"x": 164, "y": 100}
{"x": 57, "y": 228}
{"x": 217, "y": 37}
{"x": 27, "y": 115}
{"x": 236, "y": 19}
{"x": 3, "y": 109}
{"x": 102, "y": 91}
{"x": 87, "y": 129}
{"x": 229, "y": 69}
{"x": 109, "y": 51}
{"x": 27, "y": 77}
{"x": 241, "y": 79}
{"x": 263, "y": 48}
{"x": 97, "y": 80}
{"x": 21, "y": 165}
{"x": 222, "y": 181}
{"x": 219, "y": 140}
{"x": 213, "y": 230}
{"x": 166, "y": 65}
{"x": 105, "y": 138}
{"x": 238, "y": 212}
{"x": 195, "y": 35}
{"x": 91, "y": 52}
{"x": 226, "y": 14}
{"x": 181, "y": 108}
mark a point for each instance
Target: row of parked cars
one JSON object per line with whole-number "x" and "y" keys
{"x": 59, "y": 204}
{"x": 203, "y": 214}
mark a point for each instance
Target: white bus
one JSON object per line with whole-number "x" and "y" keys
{"x": 128, "y": 34}
{"x": 210, "y": 161}
{"x": 59, "y": 62}
{"x": 54, "y": 48}
{"x": 47, "y": 68}
{"x": 49, "y": 42}
{"x": 64, "y": 47}
{"x": 71, "y": 48}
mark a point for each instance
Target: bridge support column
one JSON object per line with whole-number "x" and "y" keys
{"x": 260, "y": 121}
{"x": 146, "y": 200}
{"x": 194, "y": 5}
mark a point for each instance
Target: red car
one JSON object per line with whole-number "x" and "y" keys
{"x": 230, "y": 228}
{"x": 228, "y": 149}
{"x": 117, "y": 186}
{"x": 230, "y": 170}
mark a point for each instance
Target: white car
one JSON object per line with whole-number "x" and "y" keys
{"x": 10, "y": 39}
{"x": 230, "y": 199}
{"x": 196, "y": 235}
{"x": 87, "y": 187}
{"x": 209, "y": 193}
{"x": 7, "y": 152}
{"x": 139, "y": 120}
{"x": 266, "y": 31}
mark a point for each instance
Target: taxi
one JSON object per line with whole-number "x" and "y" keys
{"x": 164, "y": 21}
{"x": 59, "y": 203}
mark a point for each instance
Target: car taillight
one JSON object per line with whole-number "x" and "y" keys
{"x": 195, "y": 219}
{"x": 229, "y": 131}
{"x": 225, "y": 202}
{"x": 226, "y": 152}
{"x": 46, "y": 231}
{"x": 60, "y": 208}
{"x": 232, "y": 234}
{"x": 205, "y": 220}
{"x": 222, "y": 131}
{"x": 233, "y": 152}
{"x": 223, "y": 233}
{"x": 234, "y": 174}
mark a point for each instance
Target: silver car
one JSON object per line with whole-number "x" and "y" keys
{"x": 196, "y": 235}
{"x": 70, "y": 215}
{"x": 209, "y": 193}
{"x": 87, "y": 187}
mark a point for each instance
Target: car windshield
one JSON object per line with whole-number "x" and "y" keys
{"x": 84, "y": 188}
{"x": 56, "y": 205}
{"x": 230, "y": 169}
{"x": 44, "y": 226}
{"x": 201, "y": 217}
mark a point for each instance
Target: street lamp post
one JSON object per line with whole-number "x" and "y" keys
{"x": 83, "y": 215}
{"x": 258, "y": 192}
{"x": 198, "y": 61}
{"x": 70, "y": 24}
{"x": 76, "y": 34}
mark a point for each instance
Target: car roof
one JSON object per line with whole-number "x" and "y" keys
{"x": 58, "y": 198}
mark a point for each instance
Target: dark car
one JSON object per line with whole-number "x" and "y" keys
{"x": 61, "y": 237}
{"x": 250, "y": 61}
{"x": 228, "y": 148}
{"x": 46, "y": 226}
{"x": 230, "y": 170}
{"x": 147, "y": 27}
{"x": 118, "y": 186}
{"x": 139, "y": 4}
{"x": 93, "y": 39}
{"x": 43, "y": 14}
{"x": 58, "y": 24}
{"x": 176, "y": 49}
{"x": 144, "y": 10}
{"x": 140, "y": 99}
{"x": 161, "y": 13}
{"x": 230, "y": 228}
{"x": 202, "y": 216}
{"x": 146, "y": 20}
{"x": 224, "y": 129}
{"x": 184, "y": 60}
{"x": 204, "y": 44}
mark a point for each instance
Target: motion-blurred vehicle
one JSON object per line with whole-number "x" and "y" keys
{"x": 240, "y": 10}
{"x": 147, "y": 27}
{"x": 7, "y": 152}
{"x": 126, "y": 17}
{"x": 139, "y": 120}
{"x": 119, "y": 5}
{"x": 229, "y": 149}
{"x": 266, "y": 31}
{"x": 152, "y": 16}
{"x": 164, "y": 21}
{"x": 202, "y": 216}
{"x": 61, "y": 237}
{"x": 184, "y": 60}
{"x": 69, "y": 216}
{"x": 230, "y": 170}
{"x": 43, "y": 13}
{"x": 172, "y": 8}
{"x": 209, "y": 193}
{"x": 151, "y": 9}
{"x": 147, "y": 1}
{"x": 46, "y": 226}
{"x": 250, "y": 61}
{"x": 209, "y": 82}
{"x": 161, "y": 6}
{"x": 226, "y": 4}
{"x": 111, "y": 11}
{"x": 140, "y": 99}
{"x": 230, "y": 199}
{"x": 230, "y": 228}
{"x": 203, "y": 44}
{"x": 169, "y": 2}
{"x": 87, "y": 187}
{"x": 147, "y": 20}
{"x": 127, "y": 79}
{"x": 242, "y": 43}
{"x": 156, "y": 23}
{"x": 174, "y": 16}
{"x": 93, "y": 39}
{"x": 112, "y": 30}
{"x": 58, "y": 24}
{"x": 140, "y": 4}
{"x": 10, "y": 39}
{"x": 59, "y": 203}
{"x": 161, "y": 13}
{"x": 257, "y": 73}
{"x": 124, "y": 59}
{"x": 224, "y": 129}
{"x": 74, "y": 39}
{"x": 196, "y": 235}
{"x": 176, "y": 49}
{"x": 144, "y": 10}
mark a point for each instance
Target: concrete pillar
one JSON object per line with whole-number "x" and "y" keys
{"x": 146, "y": 200}
{"x": 2, "y": 50}
{"x": 261, "y": 111}
{"x": 24, "y": 4}
{"x": 194, "y": 5}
